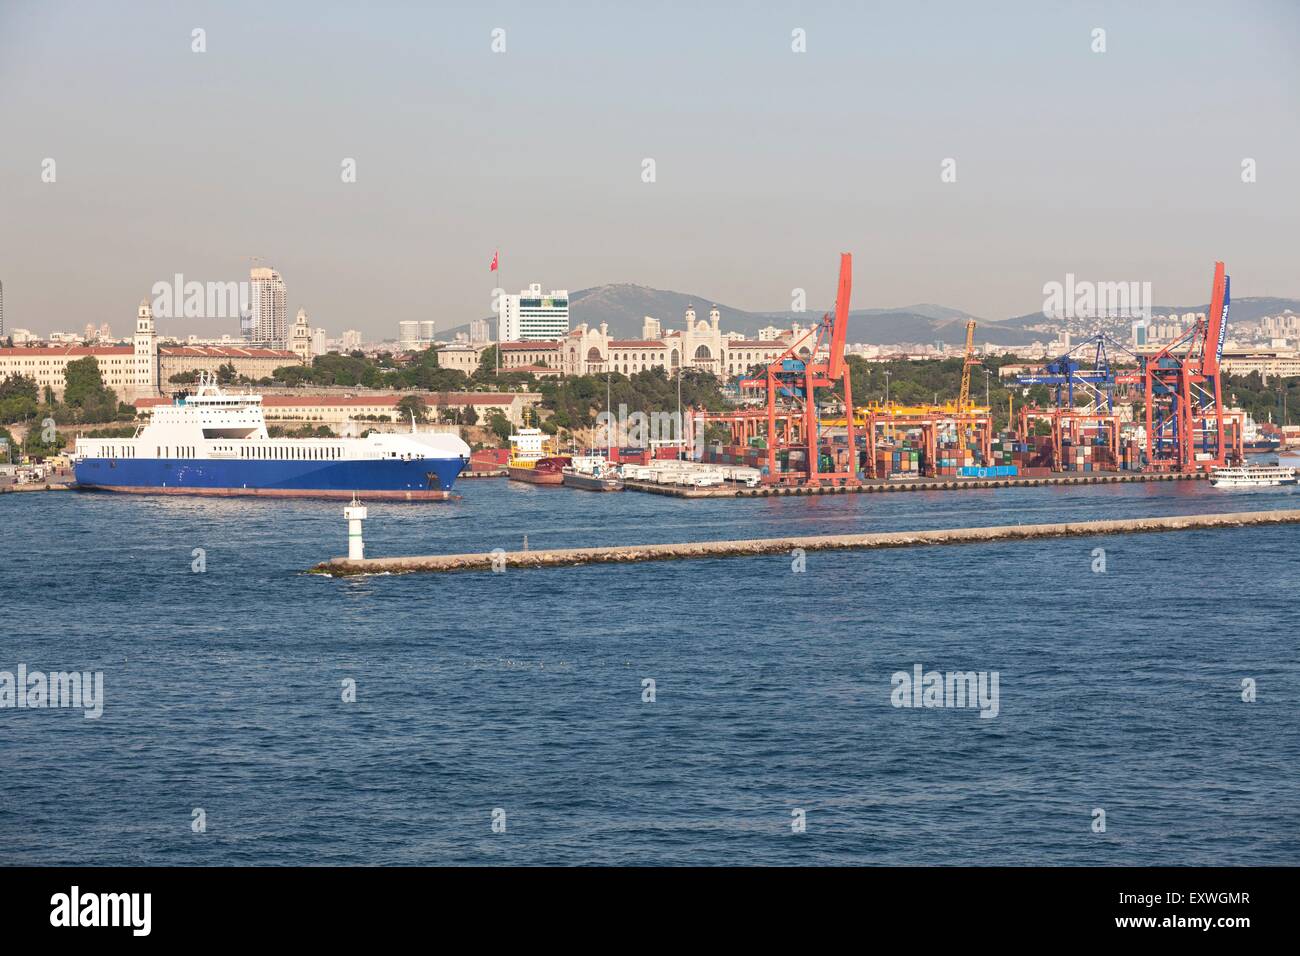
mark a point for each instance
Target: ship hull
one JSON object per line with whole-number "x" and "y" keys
{"x": 535, "y": 477}
{"x": 592, "y": 483}
{"x": 430, "y": 479}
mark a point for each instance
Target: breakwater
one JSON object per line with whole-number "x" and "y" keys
{"x": 626, "y": 554}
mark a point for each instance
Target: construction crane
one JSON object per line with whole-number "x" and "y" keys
{"x": 963, "y": 397}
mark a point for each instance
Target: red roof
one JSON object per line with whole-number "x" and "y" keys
{"x": 528, "y": 346}
{"x": 70, "y": 350}
{"x": 432, "y": 398}
{"x": 223, "y": 351}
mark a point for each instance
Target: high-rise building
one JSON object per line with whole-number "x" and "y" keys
{"x": 2, "y": 310}
{"x": 531, "y": 316}
{"x": 408, "y": 334}
{"x": 1140, "y": 333}
{"x": 478, "y": 331}
{"x": 412, "y": 334}
{"x": 269, "y": 329}
{"x": 351, "y": 340}
{"x": 318, "y": 346}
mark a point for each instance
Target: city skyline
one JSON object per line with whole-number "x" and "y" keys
{"x": 1121, "y": 165}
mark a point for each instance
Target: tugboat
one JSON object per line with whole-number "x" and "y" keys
{"x": 532, "y": 460}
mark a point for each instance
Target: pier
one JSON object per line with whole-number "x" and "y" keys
{"x": 628, "y": 554}
{"x": 877, "y": 486}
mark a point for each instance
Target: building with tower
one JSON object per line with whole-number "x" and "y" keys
{"x": 144, "y": 368}
{"x": 300, "y": 341}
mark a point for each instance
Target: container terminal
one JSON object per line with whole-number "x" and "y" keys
{"x": 800, "y": 439}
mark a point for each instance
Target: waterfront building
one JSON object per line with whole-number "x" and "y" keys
{"x": 142, "y": 369}
{"x": 532, "y": 316}
{"x": 1268, "y": 362}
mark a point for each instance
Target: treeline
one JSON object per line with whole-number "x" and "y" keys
{"x": 575, "y": 402}
{"x": 1279, "y": 397}
{"x": 86, "y": 400}
{"x": 423, "y": 372}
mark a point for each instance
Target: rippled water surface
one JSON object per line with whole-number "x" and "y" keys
{"x": 523, "y": 691}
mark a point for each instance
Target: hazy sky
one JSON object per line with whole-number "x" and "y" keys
{"x": 1122, "y": 165}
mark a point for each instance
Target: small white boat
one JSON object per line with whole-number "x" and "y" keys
{"x": 1252, "y": 476}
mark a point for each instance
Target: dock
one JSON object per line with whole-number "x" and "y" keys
{"x": 877, "y": 486}
{"x": 628, "y": 554}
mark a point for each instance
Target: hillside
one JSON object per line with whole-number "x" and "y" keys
{"x": 624, "y": 305}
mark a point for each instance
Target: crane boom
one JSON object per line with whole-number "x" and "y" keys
{"x": 840, "y": 329}
{"x": 963, "y": 397}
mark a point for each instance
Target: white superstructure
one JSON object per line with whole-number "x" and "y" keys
{"x": 215, "y": 424}
{"x": 1252, "y": 476}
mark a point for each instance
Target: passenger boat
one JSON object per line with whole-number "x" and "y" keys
{"x": 1252, "y": 476}
{"x": 213, "y": 442}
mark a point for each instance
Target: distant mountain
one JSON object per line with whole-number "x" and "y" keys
{"x": 624, "y": 305}
{"x": 1240, "y": 310}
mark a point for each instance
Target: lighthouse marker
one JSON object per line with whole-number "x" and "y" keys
{"x": 355, "y": 513}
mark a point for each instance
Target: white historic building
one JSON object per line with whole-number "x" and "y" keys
{"x": 698, "y": 344}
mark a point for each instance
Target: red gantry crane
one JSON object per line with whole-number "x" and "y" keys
{"x": 791, "y": 382}
{"x": 1185, "y": 421}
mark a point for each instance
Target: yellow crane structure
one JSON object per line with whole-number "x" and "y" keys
{"x": 963, "y": 397}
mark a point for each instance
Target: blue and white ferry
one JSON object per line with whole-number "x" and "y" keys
{"x": 214, "y": 442}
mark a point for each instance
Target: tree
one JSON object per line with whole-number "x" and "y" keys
{"x": 226, "y": 374}
{"x": 84, "y": 394}
{"x": 413, "y": 405}
{"x": 469, "y": 416}
{"x": 42, "y": 441}
{"x": 500, "y": 425}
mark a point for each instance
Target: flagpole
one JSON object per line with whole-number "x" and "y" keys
{"x": 496, "y": 267}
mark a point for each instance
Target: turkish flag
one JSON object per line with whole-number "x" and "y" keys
{"x": 493, "y": 267}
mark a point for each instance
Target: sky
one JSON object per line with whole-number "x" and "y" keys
{"x": 1122, "y": 165}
